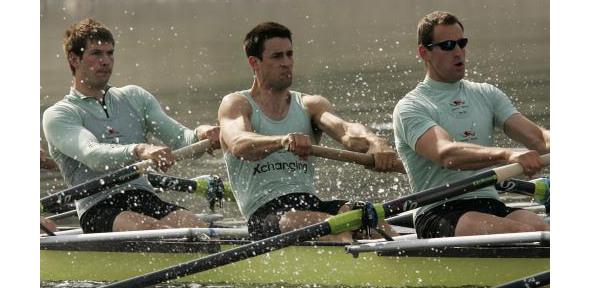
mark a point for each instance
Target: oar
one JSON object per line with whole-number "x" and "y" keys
{"x": 197, "y": 185}
{"x": 63, "y": 215}
{"x": 116, "y": 177}
{"x": 159, "y": 234}
{"x": 537, "y": 188}
{"x": 350, "y": 156}
{"x": 537, "y": 280}
{"x": 334, "y": 225}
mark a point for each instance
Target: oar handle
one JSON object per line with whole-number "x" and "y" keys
{"x": 185, "y": 152}
{"x": 343, "y": 155}
{"x": 515, "y": 169}
{"x": 364, "y": 159}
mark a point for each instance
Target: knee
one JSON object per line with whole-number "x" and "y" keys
{"x": 525, "y": 228}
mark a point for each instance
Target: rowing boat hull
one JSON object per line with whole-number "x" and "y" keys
{"x": 306, "y": 265}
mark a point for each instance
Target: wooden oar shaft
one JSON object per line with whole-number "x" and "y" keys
{"x": 343, "y": 155}
{"x": 364, "y": 159}
{"x": 117, "y": 177}
{"x": 194, "y": 150}
{"x": 515, "y": 169}
{"x": 334, "y": 225}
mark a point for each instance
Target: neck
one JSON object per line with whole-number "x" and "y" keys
{"x": 89, "y": 90}
{"x": 269, "y": 95}
{"x": 274, "y": 103}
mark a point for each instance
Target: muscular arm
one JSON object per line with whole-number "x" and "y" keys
{"x": 63, "y": 129}
{"x": 438, "y": 146}
{"x": 237, "y": 136}
{"x": 524, "y": 131}
{"x": 164, "y": 127}
{"x": 353, "y": 136}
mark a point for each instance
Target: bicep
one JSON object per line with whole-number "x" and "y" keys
{"x": 431, "y": 143}
{"x": 416, "y": 127}
{"x": 320, "y": 110}
{"x": 234, "y": 119}
{"x": 68, "y": 135}
{"x": 522, "y": 130}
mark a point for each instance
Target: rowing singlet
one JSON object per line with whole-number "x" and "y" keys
{"x": 254, "y": 183}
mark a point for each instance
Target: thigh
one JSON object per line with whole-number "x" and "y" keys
{"x": 100, "y": 218}
{"x": 437, "y": 222}
{"x": 442, "y": 221}
{"x": 182, "y": 218}
{"x": 263, "y": 224}
{"x": 478, "y": 223}
{"x": 146, "y": 203}
{"x": 132, "y": 221}
{"x": 529, "y": 218}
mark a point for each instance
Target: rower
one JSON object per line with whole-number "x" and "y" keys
{"x": 97, "y": 129}
{"x": 444, "y": 132}
{"x": 267, "y": 132}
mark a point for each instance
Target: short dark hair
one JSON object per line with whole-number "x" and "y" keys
{"x": 254, "y": 41}
{"x": 78, "y": 34}
{"x": 427, "y": 24}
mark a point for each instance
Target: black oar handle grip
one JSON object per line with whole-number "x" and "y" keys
{"x": 515, "y": 169}
{"x": 190, "y": 151}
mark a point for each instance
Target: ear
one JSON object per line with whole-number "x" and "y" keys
{"x": 73, "y": 59}
{"x": 423, "y": 52}
{"x": 253, "y": 62}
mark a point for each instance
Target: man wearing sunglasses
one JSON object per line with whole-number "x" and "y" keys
{"x": 444, "y": 133}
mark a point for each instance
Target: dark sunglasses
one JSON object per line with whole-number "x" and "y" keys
{"x": 449, "y": 45}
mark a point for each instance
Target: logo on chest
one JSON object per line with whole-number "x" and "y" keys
{"x": 111, "y": 134}
{"x": 468, "y": 136}
{"x": 458, "y": 108}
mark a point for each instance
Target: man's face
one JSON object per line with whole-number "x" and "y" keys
{"x": 95, "y": 66}
{"x": 276, "y": 68}
{"x": 442, "y": 65}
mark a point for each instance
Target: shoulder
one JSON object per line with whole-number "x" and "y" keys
{"x": 315, "y": 103}
{"x": 60, "y": 109}
{"x": 483, "y": 87}
{"x": 235, "y": 102}
{"x": 131, "y": 91}
{"x": 413, "y": 100}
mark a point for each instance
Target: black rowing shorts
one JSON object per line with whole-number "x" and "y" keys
{"x": 101, "y": 216}
{"x": 264, "y": 222}
{"x": 442, "y": 220}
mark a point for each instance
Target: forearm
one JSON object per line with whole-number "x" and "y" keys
{"x": 251, "y": 146}
{"x": 358, "y": 138}
{"x": 201, "y": 131}
{"x": 466, "y": 156}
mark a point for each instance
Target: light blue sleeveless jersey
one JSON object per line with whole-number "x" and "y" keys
{"x": 254, "y": 183}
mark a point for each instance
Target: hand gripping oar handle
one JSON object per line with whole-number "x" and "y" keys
{"x": 347, "y": 221}
{"x": 194, "y": 150}
{"x": 117, "y": 177}
{"x": 348, "y": 156}
{"x": 515, "y": 169}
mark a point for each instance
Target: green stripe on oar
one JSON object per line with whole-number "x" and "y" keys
{"x": 197, "y": 185}
{"x": 117, "y": 177}
{"x": 537, "y": 188}
{"x": 334, "y": 225}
